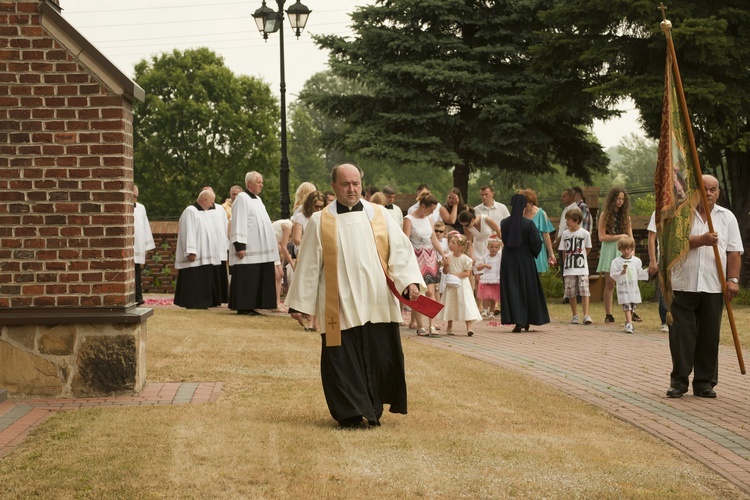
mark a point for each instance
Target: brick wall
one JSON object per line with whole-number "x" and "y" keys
{"x": 66, "y": 166}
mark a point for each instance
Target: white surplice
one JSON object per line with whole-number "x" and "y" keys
{"x": 252, "y": 227}
{"x": 363, "y": 292}
{"x": 143, "y": 240}
{"x": 194, "y": 237}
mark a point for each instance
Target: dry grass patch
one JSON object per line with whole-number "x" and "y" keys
{"x": 473, "y": 430}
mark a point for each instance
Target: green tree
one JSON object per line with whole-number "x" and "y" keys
{"x": 598, "y": 51}
{"x": 446, "y": 83}
{"x": 200, "y": 125}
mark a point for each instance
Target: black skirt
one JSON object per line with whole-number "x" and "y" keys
{"x": 197, "y": 288}
{"x": 253, "y": 286}
{"x": 365, "y": 372}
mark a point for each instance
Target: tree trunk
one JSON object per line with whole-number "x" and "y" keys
{"x": 739, "y": 180}
{"x": 461, "y": 179}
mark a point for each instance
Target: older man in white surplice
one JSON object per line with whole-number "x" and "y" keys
{"x": 253, "y": 251}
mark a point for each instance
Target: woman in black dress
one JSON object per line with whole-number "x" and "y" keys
{"x": 521, "y": 293}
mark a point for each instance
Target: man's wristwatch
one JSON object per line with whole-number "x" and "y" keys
{"x": 736, "y": 281}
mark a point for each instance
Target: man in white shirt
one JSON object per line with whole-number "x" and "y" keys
{"x": 567, "y": 200}
{"x": 393, "y": 209}
{"x": 698, "y": 299}
{"x": 489, "y": 207}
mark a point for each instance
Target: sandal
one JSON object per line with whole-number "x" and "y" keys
{"x": 433, "y": 332}
{"x": 422, "y": 332}
{"x": 470, "y": 333}
{"x": 449, "y": 332}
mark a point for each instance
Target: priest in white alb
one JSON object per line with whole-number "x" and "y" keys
{"x": 341, "y": 278}
{"x": 253, "y": 251}
{"x": 196, "y": 256}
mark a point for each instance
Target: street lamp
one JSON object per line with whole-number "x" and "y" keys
{"x": 269, "y": 21}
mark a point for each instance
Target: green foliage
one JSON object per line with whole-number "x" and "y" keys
{"x": 598, "y": 51}
{"x": 643, "y": 205}
{"x": 552, "y": 283}
{"x": 447, "y": 84}
{"x": 200, "y": 125}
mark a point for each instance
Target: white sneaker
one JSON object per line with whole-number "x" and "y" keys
{"x": 629, "y": 328}
{"x": 587, "y": 320}
{"x": 664, "y": 328}
{"x": 575, "y": 320}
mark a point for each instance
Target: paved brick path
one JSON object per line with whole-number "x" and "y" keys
{"x": 18, "y": 416}
{"x": 626, "y": 375}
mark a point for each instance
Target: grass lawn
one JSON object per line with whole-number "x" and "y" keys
{"x": 473, "y": 430}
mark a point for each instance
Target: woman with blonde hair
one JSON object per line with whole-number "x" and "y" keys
{"x": 303, "y": 190}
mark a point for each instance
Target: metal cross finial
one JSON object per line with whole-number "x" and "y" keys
{"x": 663, "y": 9}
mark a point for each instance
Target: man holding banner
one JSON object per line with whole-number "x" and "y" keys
{"x": 348, "y": 254}
{"x": 697, "y": 303}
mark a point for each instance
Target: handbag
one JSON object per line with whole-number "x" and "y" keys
{"x": 453, "y": 281}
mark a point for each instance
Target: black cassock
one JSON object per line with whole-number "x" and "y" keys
{"x": 521, "y": 294}
{"x": 365, "y": 372}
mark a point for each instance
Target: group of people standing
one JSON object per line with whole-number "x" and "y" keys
{"x": 237, "y": 238}
{"x": 477, "y": 261}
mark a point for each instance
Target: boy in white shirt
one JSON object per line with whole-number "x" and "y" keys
{"x": 575, "y": 243}
{"x": 626, "y": 270}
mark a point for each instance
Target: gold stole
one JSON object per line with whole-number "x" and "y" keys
{"x": 329, "y": 241}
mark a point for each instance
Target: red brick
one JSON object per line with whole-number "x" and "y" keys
{"x": 69, "y": 301}
{"x": 30, "y": 78}
{"x": 33, "y": 290}
{"x": 44, "y": 301}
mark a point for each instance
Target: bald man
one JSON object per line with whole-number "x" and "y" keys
{"x": 196, "y": 256}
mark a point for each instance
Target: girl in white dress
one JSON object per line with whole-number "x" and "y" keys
{"x": 458, "y": 298}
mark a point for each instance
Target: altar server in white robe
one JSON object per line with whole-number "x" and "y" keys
{"x": 220, "y": 246}
{"x": 143, "y": 241}
{"x": 339, "y": 277}
{"x": 196, "y": 256}
{"x": 393, "y": 209}
{"x": 253, "y": 251}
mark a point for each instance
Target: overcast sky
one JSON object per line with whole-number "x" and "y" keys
{"x": 131, "y": 30}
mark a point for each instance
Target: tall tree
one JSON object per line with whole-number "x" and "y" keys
{"x": 200, "y": 125}
{"x": 599, "y": 51}
{"x": 447, "y": 83}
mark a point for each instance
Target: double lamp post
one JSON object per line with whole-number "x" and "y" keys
{"x": 270, "y": 21}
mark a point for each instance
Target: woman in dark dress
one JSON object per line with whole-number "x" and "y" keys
{"x": 521, "y": 293}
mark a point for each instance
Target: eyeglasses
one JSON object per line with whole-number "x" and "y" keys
{"x": 439, "y": 231}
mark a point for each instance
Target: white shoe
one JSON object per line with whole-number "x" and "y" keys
{"x": 664, "y": 328}
{"x": 587, "y": 320}
{"x": 629, "y": 328}
{"x": 575, "y": 320}
{"x": 485, "y": 313}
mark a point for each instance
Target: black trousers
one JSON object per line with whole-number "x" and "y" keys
{"x": 694, "y": 339}
{"x": 138, "y": 292}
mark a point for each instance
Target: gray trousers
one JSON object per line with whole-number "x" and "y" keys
{"x": 694, "y": 339}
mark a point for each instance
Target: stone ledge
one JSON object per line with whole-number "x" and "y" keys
{"x": 67, "y": 315}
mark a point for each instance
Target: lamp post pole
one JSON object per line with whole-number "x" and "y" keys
{"x": 269, "y": 21}
{"x": 284, "y": 165}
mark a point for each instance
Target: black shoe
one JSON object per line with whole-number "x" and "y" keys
{"x": 636, "y": 317}
{"x": 609, "y": 318}
{"x": 517, "y": 329}
{"x": 350, "y": 423}
{"x": 704, "y": 393}
{"x": 249, "y": 312}
{"x": 565, "y": 300}
{"x": 675, "y": 393}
